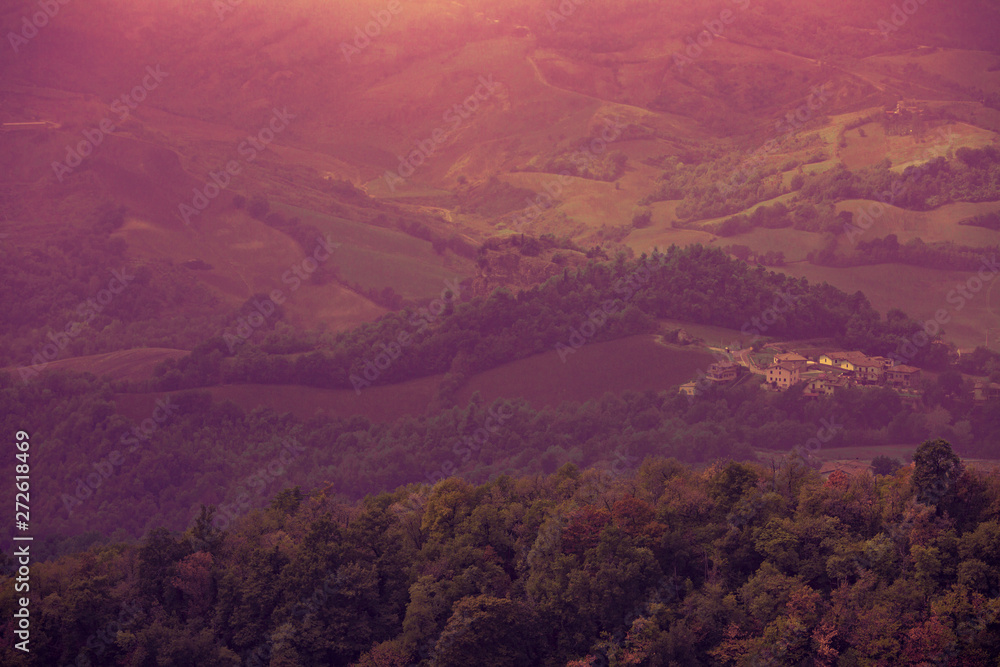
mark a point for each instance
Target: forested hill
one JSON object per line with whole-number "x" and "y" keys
{"x": 115, "y": 479}
{"x": 736, "y": 565}
{"x": 695, "y": 283}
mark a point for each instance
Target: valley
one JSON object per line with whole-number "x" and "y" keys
{"x": 382, "y": 333}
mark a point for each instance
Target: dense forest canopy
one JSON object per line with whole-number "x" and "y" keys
{"x": 650, "y": 565}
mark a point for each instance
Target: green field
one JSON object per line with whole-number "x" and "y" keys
{"x": 919, "y": 293}
{"x": 935, "y": 226}
{"x": 663, "y": 236}
{"x": 134, "y": 365}
{"x": 795, "y": 244}
{"x": 378, "y": 257}
{"x": 246, "y": 257}
{"x": 968, "y": 68}
{"x": 637, "y": 363}
{"x": 712, "y": 335}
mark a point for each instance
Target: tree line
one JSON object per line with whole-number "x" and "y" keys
{"x": 695, "y": 283}
{"x": 652, "y": 564}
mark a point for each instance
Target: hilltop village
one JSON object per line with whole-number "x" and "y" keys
{"x": 822, "y": 374}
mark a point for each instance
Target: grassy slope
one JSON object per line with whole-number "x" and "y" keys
{"x": 919, "y": 293}
{"x": 378, "y": 257}
{"x": 637, "y": 363}
{"x": 133, "y": 365}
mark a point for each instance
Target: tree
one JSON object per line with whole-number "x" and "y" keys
{"x": 485, "y": 630}
{"x": 259, "y": 207}
{"x": 726, "y": 484}
{"x": 194, "y": 579}
{"x": 885, "y": 465}
{"x": 642, "y": 218}
{"x": 157, "y": 558}
{"x": 584, "y": 529}
{"x": 937, "y": 468}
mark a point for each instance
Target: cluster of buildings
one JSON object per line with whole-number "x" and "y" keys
{"x": 823, "y": 377}
{"x": 844, "y": 369}
{"x": 721, "y": 372}
{"x": 830, "y": 371}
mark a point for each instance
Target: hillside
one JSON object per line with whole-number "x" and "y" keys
{"x": 425, "y": 333}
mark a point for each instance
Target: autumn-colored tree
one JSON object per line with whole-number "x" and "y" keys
{"x": 838, "y": 479}
{"x": 583, "y": 529}
{"x": 194, "y": 579}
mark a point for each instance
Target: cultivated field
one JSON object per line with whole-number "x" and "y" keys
{"x": 133, "y": 365}
{"x": 248, "y": 257}
{"x": 375, "y": 257}
{"x": 635, "y": 363}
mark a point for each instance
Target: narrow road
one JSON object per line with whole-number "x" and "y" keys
{"x": 741, "y": 357}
